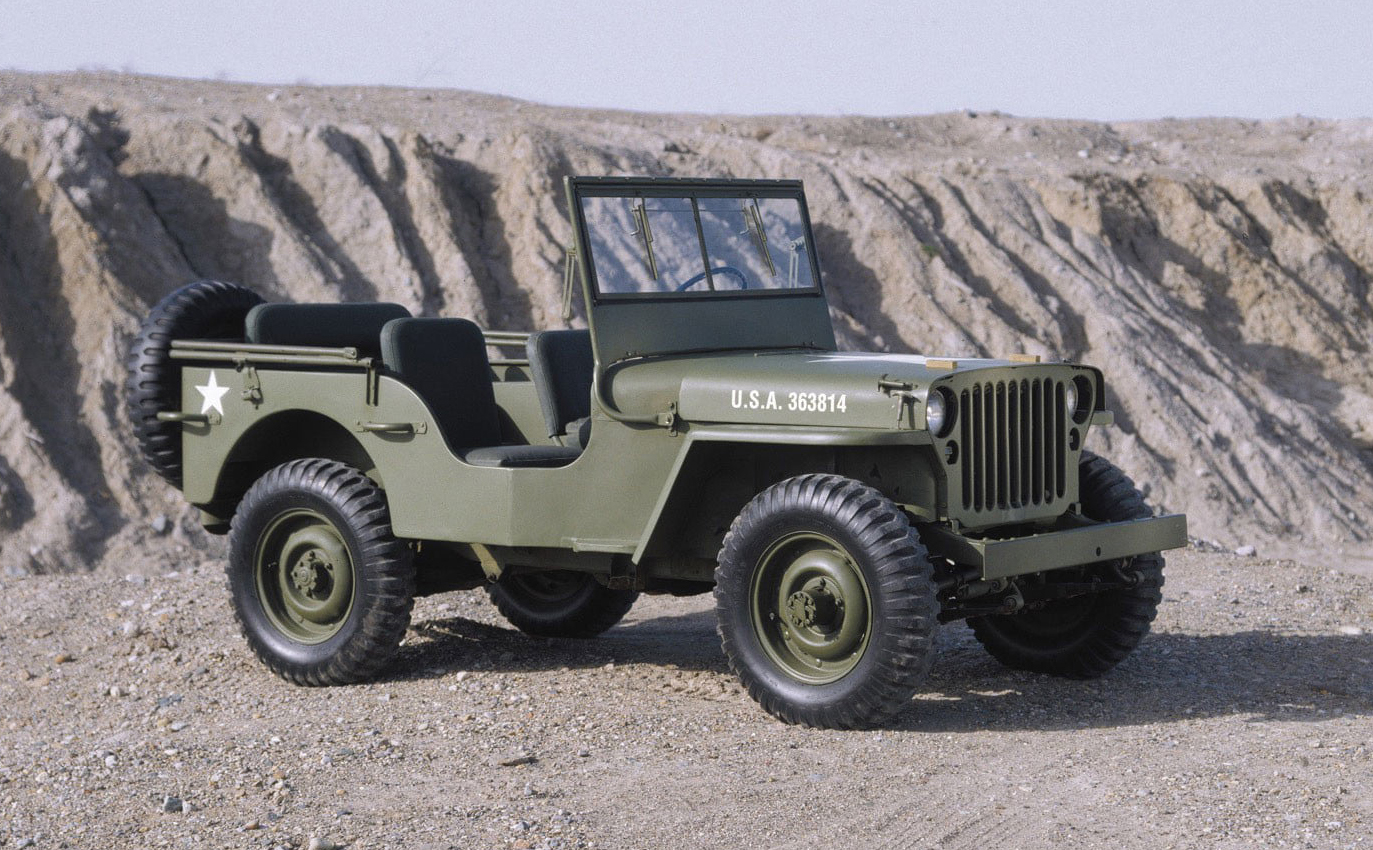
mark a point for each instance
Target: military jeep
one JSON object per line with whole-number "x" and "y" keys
{"x": 703, "y": 433}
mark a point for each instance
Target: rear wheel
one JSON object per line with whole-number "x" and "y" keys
{"x": 1084, "y": 637}
{"x": 559, "y": 603}
{"x": 825, "y": 603}
{"x": 321, "y": 588}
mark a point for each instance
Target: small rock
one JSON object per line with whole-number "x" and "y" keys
{"x": 1246, "y": 551}
{"x": 1352, "y": 631}
{"x": 172, "y": 805}
{"x": 116, "y": 691}
{"x": 1083, "y": 154}
{"x": 462, "y": 675}
{"x": 63, "y": 658}
{"x": 161, "y": 524}
{"x": 1201, "y": 472}
{"x": 582, "y": 754}
{"x": 319, "y": 842}
{"x": 1314, "y": 743}
{"x": 252, "y": 825}
{"x": 111, "y": 761}
{"x": 274, "y": 96}
{"x": 1303, "y": 588}
{"x": 520, "y": 757}
{"x": 177, "y": 726}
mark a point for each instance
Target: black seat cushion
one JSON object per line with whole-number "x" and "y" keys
{"x": 563, "y": 365}
{"x": 328, "y": 325}
{"x": 522, "y": 456}
{"x": 444, "y": 360}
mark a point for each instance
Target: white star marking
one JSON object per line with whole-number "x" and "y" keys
{"x": 214, "y": 395}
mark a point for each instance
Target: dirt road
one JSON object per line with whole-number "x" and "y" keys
{"x": 1244, "y": 721}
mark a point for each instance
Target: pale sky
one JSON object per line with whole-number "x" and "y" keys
{"x": 1060, "y": 58}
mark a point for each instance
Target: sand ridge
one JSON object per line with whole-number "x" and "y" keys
{"x": 1217, "y": 269}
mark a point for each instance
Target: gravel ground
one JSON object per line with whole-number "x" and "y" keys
{"x": 134, "y": 716}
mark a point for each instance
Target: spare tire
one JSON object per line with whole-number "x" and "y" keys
{"x": 206, "y": 309}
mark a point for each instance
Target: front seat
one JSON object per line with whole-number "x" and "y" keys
{"x": 444, "y": 360}
{"x": 563, "y": 365}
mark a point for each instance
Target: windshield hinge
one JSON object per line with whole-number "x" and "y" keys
{"x": 569, "y": 271}
{"x": 669, "y": 419}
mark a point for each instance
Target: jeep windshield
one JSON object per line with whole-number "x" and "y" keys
{"x": 686, "y": 242}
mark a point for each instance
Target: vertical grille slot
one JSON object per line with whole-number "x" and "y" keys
{"x": 1013, "y": 436}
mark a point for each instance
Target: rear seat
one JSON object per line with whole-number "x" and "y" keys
{"x": 562, "y": 365}
{"x": 444, "y": 360}
{"x": 325, "y": 325}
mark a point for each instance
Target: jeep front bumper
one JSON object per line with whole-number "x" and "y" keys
{"x": 1060, "y": 547}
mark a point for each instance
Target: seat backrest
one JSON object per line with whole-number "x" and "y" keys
{"x": 562, "y": 364}
{"x": 444, "y": 360}
{"x": 328, "y": 325}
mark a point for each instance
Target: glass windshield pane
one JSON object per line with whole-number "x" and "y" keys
{"x": 654, "y": 244}
{"x": 735, "y": 253}
{"x": 676, "y": 248}
{"x": 755, "y": 244}
{"x": 786, "y": 232}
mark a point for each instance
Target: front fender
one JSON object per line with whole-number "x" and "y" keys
{"x": 696, "y": 437}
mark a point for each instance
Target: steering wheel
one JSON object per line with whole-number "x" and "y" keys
{"x": 726, "y": 270}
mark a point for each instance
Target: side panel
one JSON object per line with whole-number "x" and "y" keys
{"x": 601, "y": 502}
{"x": 521, "y": 417}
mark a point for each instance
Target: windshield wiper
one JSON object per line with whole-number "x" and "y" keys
{"x": 754, "y": 219}
{"x": 646, "y": 238}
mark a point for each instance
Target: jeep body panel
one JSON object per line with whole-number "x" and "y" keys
{"x": 432, "y": 494}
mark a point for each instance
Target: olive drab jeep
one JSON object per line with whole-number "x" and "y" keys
{"x": 704, "y": 433}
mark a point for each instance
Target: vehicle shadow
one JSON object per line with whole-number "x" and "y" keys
{"x": 684, "y": 642}
{"x": 1172, "y": 676}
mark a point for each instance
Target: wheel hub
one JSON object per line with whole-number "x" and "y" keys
{"x": 311, "y": 574}
{"x": 814, "y": 606}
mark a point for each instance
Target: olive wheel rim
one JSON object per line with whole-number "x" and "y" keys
{"x": 304, "y": 575}
{"x": 811, "y": 608}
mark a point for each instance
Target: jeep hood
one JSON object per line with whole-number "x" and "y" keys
{"x": 811, "y": 388}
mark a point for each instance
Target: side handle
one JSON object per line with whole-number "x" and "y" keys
{"x": 179, "y": 416}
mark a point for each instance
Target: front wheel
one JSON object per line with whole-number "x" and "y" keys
{"x": 321, "y": 588}
{"x": 825, "y": 603}
{"x": 1086, "y": 636}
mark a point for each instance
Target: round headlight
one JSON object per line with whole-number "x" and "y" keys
{"x": 936, "y": 412}
{"x": 1077, "y": 397}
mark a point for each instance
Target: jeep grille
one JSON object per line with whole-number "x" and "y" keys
{"x": 1012, "y": 433}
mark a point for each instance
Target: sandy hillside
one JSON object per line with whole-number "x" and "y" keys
{"x": 1218, "y": 270}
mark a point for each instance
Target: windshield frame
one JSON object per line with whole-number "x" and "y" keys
{"x": 643, "y": 188}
